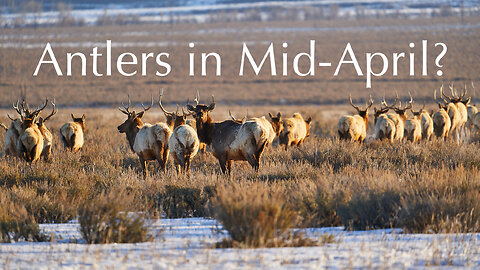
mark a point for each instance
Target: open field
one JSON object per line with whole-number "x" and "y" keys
{"x": 422, "y": 200}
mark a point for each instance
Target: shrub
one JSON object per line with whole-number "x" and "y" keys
{"x": 16, "y": 224}
{"x": 180, "y": 202}
{"x": 255, "y": 215}
{"x": 104, "y": 220}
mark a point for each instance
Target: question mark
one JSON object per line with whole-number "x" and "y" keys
{"x": 440, "y": 56}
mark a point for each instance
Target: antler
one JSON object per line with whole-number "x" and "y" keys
{"x": 442, "y": 94}
{"x": 38, "y": 110}
{"x": 161, "y": 106}
{"x": 384, "y": 102}
{"x": 126, "y": 109}
{"x": 149, "y": 107}
{"x": 54, "y": 111}
{"x": 353, "y": 105}
{"x": 197, "y": 98}
{"x": 19, "y": 111}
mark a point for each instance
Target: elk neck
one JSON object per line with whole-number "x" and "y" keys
{"x": 132, "y": 132}
{"x": 205, "y": 129}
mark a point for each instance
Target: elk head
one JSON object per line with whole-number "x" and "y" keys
{"x": 277, "y": 123}
{"x": 133, "y": 122}
{"x": 362, "y": 113}
{"x": 173, "y": 119}
{"x": 200, "y": 111}
{"x": 403, "y": 111}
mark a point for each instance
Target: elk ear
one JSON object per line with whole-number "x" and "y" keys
{"x": 83, "y": 117}
{"x": 40, "y": 121}
{"x": 73, "y": 116}
{"x": 190, "y": 108}
{"x": 309, "y": 120}
{"x": 140, "y": 114}
{"x": 279, "y": 115}
{"x": 271, "y": 116}
{"x": 211, "y": 106}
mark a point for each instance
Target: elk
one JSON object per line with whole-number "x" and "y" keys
{"x": 295, "y": 130}
{"x": 441, "y": 122}
{"x": 384, "y": 126}
{"x": 277, "y": 123}
{"x": 47, "y": 135}
{"x": 399, "y": 117}
{"x": 170, "y": 120}
{"x": 183, "y": 142}
{"x": 12, "y": 133}
{"x": 426, "y": 122}
{"x": 457, "y": 109}
{"x": 472, "y": 110}
{"x": 29, "y": 145}
{"x": 354, "y": 127}
{"x": 261, "y": 121}
{"x": 149, "y": 142}
{"x": 229, "y": 140}
{"x": 71, "y": 133}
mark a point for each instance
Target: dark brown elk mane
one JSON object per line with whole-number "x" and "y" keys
{"x": 132, "y": 125}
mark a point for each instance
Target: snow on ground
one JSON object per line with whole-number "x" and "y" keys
{"x": 185, "y": 243}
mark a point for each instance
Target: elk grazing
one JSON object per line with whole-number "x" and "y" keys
{"x": 170, "y": 120}
{"x": 183, "y": 142}
{"x": 71, "y": 133}
{"x": 441, "y": 122}
{"x": 149, "y": 142}
{"x": 229, "y": 140}
{"x": 354, "y": 128}
{"x": 384, "y": 126}
{"x": 295, "y": 130}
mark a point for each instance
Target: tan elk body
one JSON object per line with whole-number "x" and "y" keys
{"x": 71, "y": 133}
{"x": 354, "y": 127}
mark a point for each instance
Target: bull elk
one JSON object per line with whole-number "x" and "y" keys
{"x": 354, "y": 127}
{"x": 47, "y": 135}
{"x": 149, "y": 142}
{"x": 229, "y": 140}
{"x": 413, "y": 126}
{"x": 171, "y": 122}
{"x": 399, "y": 117}
{"x": 71, "y": 133}
{"x": 183, "y": 142}
{"x": 29, "y": 145}
{"x": 457, "y": 110}
{"x": 295, "y": 130}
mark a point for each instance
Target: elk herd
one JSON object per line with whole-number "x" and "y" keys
{"x": 454, "y": 118}
{"x": 235, "y": 139}
{"x": 228, "y": 140}
{"x": 29, "y": 138}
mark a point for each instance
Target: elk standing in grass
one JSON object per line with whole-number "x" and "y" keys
{"x": 413, "y": 126}
{"x": 426, "y": 122}
{"x": 277, "y": 123}
{"x": 262, "y": 121}
{"x": 12, "y": 134}
{"x": 229, "y": 140}
{"x": 441, "y": 122}
{"x": 472, "y": 110}
{"x": 171, "y": 123}
{"x": 183, "y": 142}
{"x": 47, "y": 135}
{"x": 384, "y": 126}
{"x": 149, "y": 142}
{"x": 295, "y": 130}
{"x": 354, "y": 128}
{"x": 71, "y": 133}
{"x": 399, "y": 117}
{"x": 457, "y": 110}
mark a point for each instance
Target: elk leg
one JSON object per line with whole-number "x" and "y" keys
{"x": 143, "y": 163}
{"x": 223, "y": 164}
{"x": 46, "y": 153}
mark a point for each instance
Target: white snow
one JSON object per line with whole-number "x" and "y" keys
{"x": 186, "y": 244}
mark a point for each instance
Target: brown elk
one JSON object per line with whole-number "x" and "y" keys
{"x": 426, "y": 122}
{"x": 399, "y": 117}
{"x": 183, "y": 142}
{"x": 13, "y": 132}
{"x": 47, "y": 135}
{"x": 149, "y": 142}
{"x": 229, "y": 140}
{"x": 441, "y": 122}
{"x": 71, "y": 133}
{"x": 354, "y": 128}
{"x": 277, "y": 123}
{"x": 295, "y": 130}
